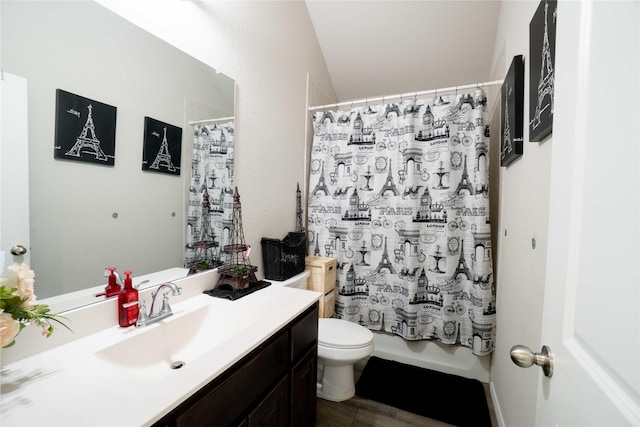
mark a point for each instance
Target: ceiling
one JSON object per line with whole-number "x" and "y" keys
{"x": 378, "y": 48}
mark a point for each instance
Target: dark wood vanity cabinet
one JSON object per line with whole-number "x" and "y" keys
{"x": 274, "y": 385}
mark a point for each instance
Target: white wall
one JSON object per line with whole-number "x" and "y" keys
{"x": 523, "y": 193}
{"x": 268, "y": 48}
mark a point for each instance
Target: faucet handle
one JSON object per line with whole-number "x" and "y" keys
{"x": 143, "y": 317}
{"x": 166, "y": 308}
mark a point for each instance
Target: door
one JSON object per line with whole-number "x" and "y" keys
{"x": 591, "y": 318}
{"x": 14, "y": 169}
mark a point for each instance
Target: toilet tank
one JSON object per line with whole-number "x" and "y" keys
{"x": 298, "y": 281}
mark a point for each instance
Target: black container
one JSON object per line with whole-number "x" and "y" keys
{"x": 284, "y": 258}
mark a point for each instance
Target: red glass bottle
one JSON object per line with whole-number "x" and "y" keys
{"x": 127, "y": 316}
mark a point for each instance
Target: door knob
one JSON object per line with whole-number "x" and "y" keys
{"x": 18, "y": 250}
{"x": 524, "y": 357}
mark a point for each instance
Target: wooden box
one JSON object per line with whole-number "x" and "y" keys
{"x": 322, "y": 271}
{"x": 322, "y": 278}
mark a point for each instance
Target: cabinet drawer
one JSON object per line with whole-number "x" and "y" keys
{"x": 224, "y": 403}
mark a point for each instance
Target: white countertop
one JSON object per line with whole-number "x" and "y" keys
{"x": 69, "y": 386}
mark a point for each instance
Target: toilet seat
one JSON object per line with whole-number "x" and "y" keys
{"x": 342, "y": 334}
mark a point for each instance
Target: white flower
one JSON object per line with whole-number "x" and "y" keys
{"x": 24, "y": 279}
{"x": 9, "y": 328}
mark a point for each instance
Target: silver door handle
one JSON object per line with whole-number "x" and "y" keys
{"x": 524, "y": 357}
{"x": 18, "y": 250}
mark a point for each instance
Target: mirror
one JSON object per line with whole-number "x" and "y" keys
{"x": 86, "y": 216}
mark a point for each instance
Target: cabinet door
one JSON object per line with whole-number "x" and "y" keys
{"x": 273, "y": 411}
{"x": 229, "y": 400}
{"x": 303, "y": 389}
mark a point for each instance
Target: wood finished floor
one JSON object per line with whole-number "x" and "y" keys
{"x": 359, "y": 412}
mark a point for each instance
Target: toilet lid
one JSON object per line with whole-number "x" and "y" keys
{"x": 338, "y": 333}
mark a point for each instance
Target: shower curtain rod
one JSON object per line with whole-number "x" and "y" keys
{"x": 221, "y": 119}
{"x": 409, "y": 94}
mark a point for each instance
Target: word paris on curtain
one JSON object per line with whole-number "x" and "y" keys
{"x": 399, "y": 195}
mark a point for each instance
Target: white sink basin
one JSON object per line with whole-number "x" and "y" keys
{"x": 153, "y": 351}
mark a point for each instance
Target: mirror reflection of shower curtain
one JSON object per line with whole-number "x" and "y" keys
{"x": 398, "y": 194}
{"x": 210, "y": 191}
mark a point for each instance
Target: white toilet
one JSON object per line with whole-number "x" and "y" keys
{"x": 340, "y": 345}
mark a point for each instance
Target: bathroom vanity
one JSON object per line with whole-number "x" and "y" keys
{"x": 246, "y": 362}
{"x": 273, "y": 385}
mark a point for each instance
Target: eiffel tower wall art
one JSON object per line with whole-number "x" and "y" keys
{"x": 162, "y": 147}
{"x": 512, "y": 115}
{"x": 542, "y": 56}
{"x": 85, "y": 129}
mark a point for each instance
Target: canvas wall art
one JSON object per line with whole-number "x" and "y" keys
{"x": 85, "y": 129}
{"x": 512, "y": 114}
{"x": 162, "y": 147}
{"x": 542, "y": 51}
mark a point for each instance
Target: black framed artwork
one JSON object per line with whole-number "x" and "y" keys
{"x": 542, "y": 51}
{"x": 512, "y": 114}
{"x": 162, "y": 147}
{"x": 85, "y": 129}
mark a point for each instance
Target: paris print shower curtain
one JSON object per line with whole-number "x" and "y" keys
{"x": 398, "y": 194}
{"x": 210, "y": 192}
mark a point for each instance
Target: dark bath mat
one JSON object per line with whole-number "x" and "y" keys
{"x": 444, "y": 397}
{"x": 228, "y": 293}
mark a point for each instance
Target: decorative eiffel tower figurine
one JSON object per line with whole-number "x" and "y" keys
{"x": 205, "y": 258}
{"x": 91, "y": 142}
{"x": 163, "y": 155}
{"x": 299, "y": 212}
{"x": 237, "y": 272}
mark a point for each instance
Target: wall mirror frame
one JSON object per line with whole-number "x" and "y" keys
{"x": 85, "y": 216}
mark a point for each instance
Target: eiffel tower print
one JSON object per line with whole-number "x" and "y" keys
{"x": 541, "y": 121}
{"x": 88, "y": 141}
{"x": 85, "y": 139}
{"x": 385, "y": 262}
{"x": 163, "y": 157}
{"x": 389, "y": 185}
{"x": 162, "y": 146}
{"x": 512, "y": 113}
{"x": 464, "y": 183}
{"x": 507, "y": 143}
{"x": 462, "y": 265}
{"x": 321, "y": 185}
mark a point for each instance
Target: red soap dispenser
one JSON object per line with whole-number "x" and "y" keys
{"x": 127, "y": 316}
{"x": 112, "y": 288}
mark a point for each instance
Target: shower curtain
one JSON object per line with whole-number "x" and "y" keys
{"x": 209, "y": 213}
{"x": 398, "y": 194}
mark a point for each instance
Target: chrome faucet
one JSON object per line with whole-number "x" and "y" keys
{"x": 155, "y": 314}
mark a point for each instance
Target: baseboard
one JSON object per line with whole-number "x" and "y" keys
{"x": 496, "y": 405}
